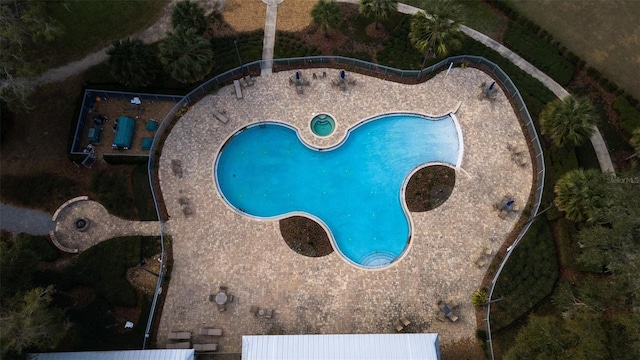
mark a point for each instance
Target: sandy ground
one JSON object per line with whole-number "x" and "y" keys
{"x": 249, "y": 15}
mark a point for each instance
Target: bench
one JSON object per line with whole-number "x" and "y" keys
{"x": 236, "y": 85}
{"x": 205, "y": 347}
{"x": 179, "y": 345}
{"x": 219, "y": 116}
{"x": 210, "y": 331}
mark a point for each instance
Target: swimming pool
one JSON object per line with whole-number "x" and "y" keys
{"x": 354, "y": 189}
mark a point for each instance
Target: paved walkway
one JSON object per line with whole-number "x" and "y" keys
{"x": 103, "y": 226}
{"x": 604, "y": 158}
{"x": 217, "y": 246}
{"x": 22, "y": 220}
{"x": 269, "y": 35}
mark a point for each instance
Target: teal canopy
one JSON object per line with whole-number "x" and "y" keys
{"x": 124, "y": 134}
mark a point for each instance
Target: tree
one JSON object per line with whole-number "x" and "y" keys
{"x": 189, "y": 15}
{"x": 579, "y": 195}
{"x": 569, "y": 122}
{"x": 23, "y": 25}
{"x": 326, "y": 14}
{"x": 437, "y": 29}
{"x": 131, "y": 63}
{"x": 186, "y": 56}
{"x": 614, "y": 246}
{"x": 377, "y": 9}
{"x": 30, "y": 324}
{"x": 548, "y": 337}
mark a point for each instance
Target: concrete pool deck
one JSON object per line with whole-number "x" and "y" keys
{"x": 216, "y": 246}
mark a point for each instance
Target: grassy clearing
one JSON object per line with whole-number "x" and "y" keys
{"x": 91, "y": 25}
{"x": 605, "y": 33}
{"x": 43, "y": 190}
{"x": 477, "y": 15}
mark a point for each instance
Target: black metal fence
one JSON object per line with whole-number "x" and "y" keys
{"x": 371, "y": 68}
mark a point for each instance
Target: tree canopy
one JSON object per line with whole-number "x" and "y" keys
{"x": 132, "y": 63}
{"x": 569, "y": 122}
{"x": 327, "y": 15}
{"x": 29, "y": 323}
{"x": 186, "y": 56}
{"x": 23, "y": 25}
{"x": 579, "y": 194}
{"x": 189, "y": 15}
{"x": 436, "y": 29}
{"x": 377, "y": 9}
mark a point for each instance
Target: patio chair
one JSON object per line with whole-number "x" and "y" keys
{"x": 221, "y": 308}
{"x": 254, "y": 310}
{"x": 405, "y": 321}
{"x": 212, "y": 297}
{"x": 179, "y": 345}
{"x": 398, "y": 325}
{"x": 452, "y": 303}
{"x": 230, "y": 298}
{"x": 223, "y": 289}
{"x": 268, "y": 313}
{"x": 441, "y": 316}
{"x": 249, "y": 80}
{"x": 219, "y": 116}
{"x": 453, "y": 318}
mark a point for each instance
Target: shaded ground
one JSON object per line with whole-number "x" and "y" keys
{"x": 305, "y": 236}
{"x": 429, "y": 188}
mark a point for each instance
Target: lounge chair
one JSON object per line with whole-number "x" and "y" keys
{"x": 210, "y": 331}
{"x": 179, "y": 345}
{"x": 205, "y": 347}
{"x": 398, "y": 325}
{"x": 236, "y": 85}
{"x": 219, "y": 116}
{"x": 176, "y": 167}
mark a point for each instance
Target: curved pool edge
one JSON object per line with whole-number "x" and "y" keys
{"x": 332, "y": 240}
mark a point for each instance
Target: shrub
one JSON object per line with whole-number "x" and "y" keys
{"x": 540, "y": 53}
{"x": 104, "y": 267}
{"x": 40, "y": 246}
{"x": 629, "y": 116}
{"x": 479, "y": 297}
{"x": 142, "y": 194}
{"x": 528, "y": 276}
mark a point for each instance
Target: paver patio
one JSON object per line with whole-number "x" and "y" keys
{"x": 217, "y": 246}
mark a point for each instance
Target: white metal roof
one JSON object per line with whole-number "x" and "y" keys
{"x": 169, "y": 354}
{"x": 341, "y": 347}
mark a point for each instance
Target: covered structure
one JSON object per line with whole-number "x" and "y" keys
{"x": 171, "y": 354}
{"x": 124, "y": 133}
{"x": 346, "y": 346}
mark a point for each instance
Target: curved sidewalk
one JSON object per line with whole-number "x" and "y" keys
{"x": 604, "y": 158}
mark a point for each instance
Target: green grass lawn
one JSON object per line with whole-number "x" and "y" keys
{"x": 478, "y": 15}
{"x": 91, "y": 25}
{"x": 604, "y": 33}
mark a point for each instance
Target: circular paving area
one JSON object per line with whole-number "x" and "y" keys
{"x": 213, "y": 245}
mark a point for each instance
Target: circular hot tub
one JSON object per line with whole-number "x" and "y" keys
{"x": 323, "y": 125}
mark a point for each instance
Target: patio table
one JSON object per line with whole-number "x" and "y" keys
{"x": 221, "y": 298}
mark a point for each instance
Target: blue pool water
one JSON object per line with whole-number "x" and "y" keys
{"x": 354, "y": 188}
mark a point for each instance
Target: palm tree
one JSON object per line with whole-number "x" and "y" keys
{"x": 437, "y": 29}
{"x": 186, "y": 56}
{"x": 132, "y": 63}
{"x": 569, "y": 122}
{"x": 377, "y": 9}
{"x": 326, "y": 14}
{"x": 189, "y": 14}
{"x": 579, "y": 195}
